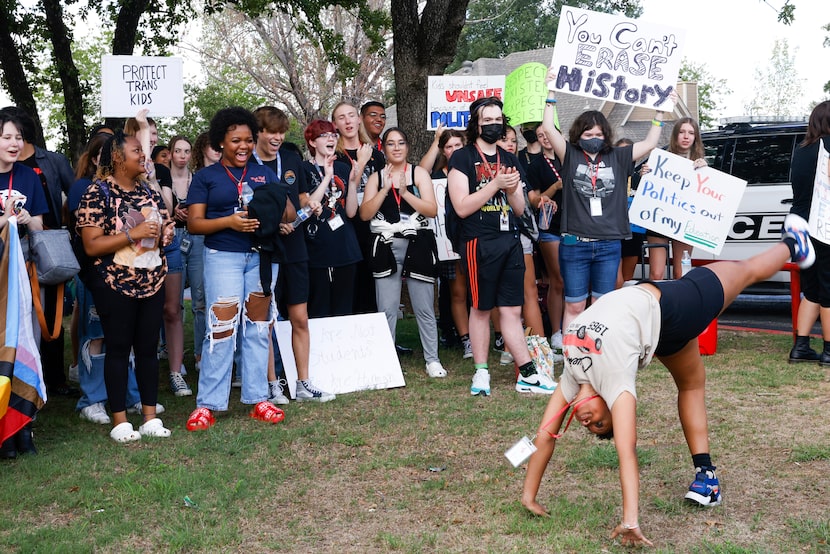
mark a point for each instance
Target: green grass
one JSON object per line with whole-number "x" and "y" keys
{"x": 421, "y": 469}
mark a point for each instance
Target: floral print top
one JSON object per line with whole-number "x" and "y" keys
{"x": 135, "y": 270}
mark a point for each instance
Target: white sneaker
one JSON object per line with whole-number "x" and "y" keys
{"x": 481, "y": 383}
{"x": 538, "y": 383}
{"x": 136, "y": 409}
{"x": 306, "y": 392}
{"x": 556, "y": 341}
{"x": 506, "y": 358}
{"x": 435, "y": 369}
{"x": 276, "y": 392}
{"x": 73, "y": 374}
{"x": 96, "y": 413}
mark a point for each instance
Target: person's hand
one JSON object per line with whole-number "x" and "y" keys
{"x": 180, "y": 213}
{"x": 141, "y": 118}
{"x": 507, "y": 179}
{"x": 286, "y": 228}
{"x": 644, "y": 169}
{"x": 700, "y": 162}
{"x": 146, "y": 230}
{"x": 551, "y": 78}
{"x": 316, "y": 207}
{"x": 240, "y": 222}
{"x": 439, "y": 130}
{"x": 23, "y": 216}
{"x": 364, "y": 154}
{"x": 328, "y": 166}
{"x": 630, "y": 537}
{"x": 168, "y": 233}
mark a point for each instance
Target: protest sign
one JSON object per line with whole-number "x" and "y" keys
{"x": 820, "y": 207}
{"x": 131, "y": 83}
{"x": 614, "y": 58}
{"x": 348, "y": 353}
{"x": 525, "y": 91}
{"x": 695, "y": 206}
{"x": 449, "y": 97}
{"x": 438, "y": 223}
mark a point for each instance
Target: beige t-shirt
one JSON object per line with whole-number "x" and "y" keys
{"x": 607, "y": 343}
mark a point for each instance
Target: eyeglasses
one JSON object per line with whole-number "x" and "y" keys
{"x": 328, "y": 135}
{"x": 376, "y": 114}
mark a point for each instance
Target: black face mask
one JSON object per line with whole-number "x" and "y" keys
{"x": 491, "y": 133}
{"x": 530, "y": 137}
{"x": 592, "y": 145}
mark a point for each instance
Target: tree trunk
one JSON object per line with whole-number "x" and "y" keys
{"x": 15, "y": 76}
{"x": 73, "y": 97}
{"x": 423, "y": 46}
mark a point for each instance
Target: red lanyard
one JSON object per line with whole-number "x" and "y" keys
{"x": 562, "y": 411}
{"x": 558, "y": 177}
{"x": 486, "y": 165}
{"x": 395, "y": 193}
{"x": 593, "y": 173}
{"x": 239, "y": 182}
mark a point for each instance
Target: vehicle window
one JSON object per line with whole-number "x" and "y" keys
{"x": 715, "y": 151}
{"x": 764, "y": 159}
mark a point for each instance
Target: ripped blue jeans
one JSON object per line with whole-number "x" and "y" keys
{"x": 235, "y": 308}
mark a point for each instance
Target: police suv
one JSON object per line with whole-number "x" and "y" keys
{"x": 760, "y": 153}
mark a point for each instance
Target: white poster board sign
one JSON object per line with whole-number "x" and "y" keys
{"x": 630, "y": 61}
{"x": 438, "y": 223}
{"x": 820, "y": 207}
{"x": 131, "y": 83}
{"x": 449, "y": 97}
{"x": 348, "y": 353}
{"x": 695, "y": 206}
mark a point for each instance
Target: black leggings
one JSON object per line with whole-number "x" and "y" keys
{"x": 129, "y": 324}
{"x": 331, "y": 290}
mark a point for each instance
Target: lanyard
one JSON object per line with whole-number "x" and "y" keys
{"x": 486, "y": 165}
{"x": 238, "y": 182}
{"x": 279, "y": 166}
{"x": 552, "y": 168}
{"x": 562, "y": 411}
{"x": 9, "y": 195}
{"x": 593, "y": 173}
{"x": 395, "y": 193}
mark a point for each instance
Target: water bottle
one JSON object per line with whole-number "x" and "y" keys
{"x": 686, "y": 263}
{"x": 246, "y": 195}
{"x": 302, "y": 215}
{"x": 155, "y": 216}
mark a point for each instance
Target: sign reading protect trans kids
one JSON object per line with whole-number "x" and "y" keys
{"x": 614, "y": 58}
{"x": 695, "y": 206}
{"x": 449, "y": 97}
{"x": 131, "y": 83}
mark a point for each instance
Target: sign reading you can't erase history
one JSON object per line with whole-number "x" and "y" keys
{"x": 695, "y": 206}
{"x": 599, "y": 55}
{"x": 131, "y": 83}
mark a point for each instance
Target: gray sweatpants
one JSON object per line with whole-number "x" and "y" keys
{"x": 422, "y": 295}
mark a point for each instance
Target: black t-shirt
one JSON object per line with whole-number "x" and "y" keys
{"x": 376, "y": 163}
{"x": 542, "y": 174}
{"x": 526, "y": 158}
{"x": 803, "y": 170}
{"x": 288, "y": 165}
{"x": 485, "y": 223}
{"x": 329, "y": 247}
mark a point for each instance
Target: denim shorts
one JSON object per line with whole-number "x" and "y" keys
{"x": 173, "y": 253}
{"x": 544, "y": 236}
{"x": 589, "y": 268}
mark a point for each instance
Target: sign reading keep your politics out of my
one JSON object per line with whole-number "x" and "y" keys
{"x": 614, "y": 58}
{"x": 695, "y": 206}
{"x": 132, "y": 83}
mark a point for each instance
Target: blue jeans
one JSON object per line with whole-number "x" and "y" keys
{"x": 231, "y": 278}
{"x": 589, "y": 267}
{"x": 91, "y": 366}
{"x": 194, "y": 267}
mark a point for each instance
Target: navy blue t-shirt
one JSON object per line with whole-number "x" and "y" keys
{"x": 213, "y": 187}
{"x": 327, "y": 247}
{"x": 291, "y": 166}
{"x": 26, "y": 182}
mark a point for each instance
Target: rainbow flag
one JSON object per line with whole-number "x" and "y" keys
{"x": 22, "y": 390}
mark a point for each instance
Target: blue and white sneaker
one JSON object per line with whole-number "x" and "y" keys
{"x": 796, "y": 227}
{"x": 481, "y": 383}
{"x": 705, "y": 489}
{"x": 538, "y": 383}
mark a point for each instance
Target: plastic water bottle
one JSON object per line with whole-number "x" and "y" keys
{"x": 302, "y": 215}
{"x": 686, "y": 263}
{"x": 246, "y": 195}
{"x": 155, "y": 216}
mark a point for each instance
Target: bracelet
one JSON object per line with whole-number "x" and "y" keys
{"x": 656, "y": 123}
{"x": 629, "y": 526}
{"x": 129, "y": 238}
{"x": 550, "y": 101}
